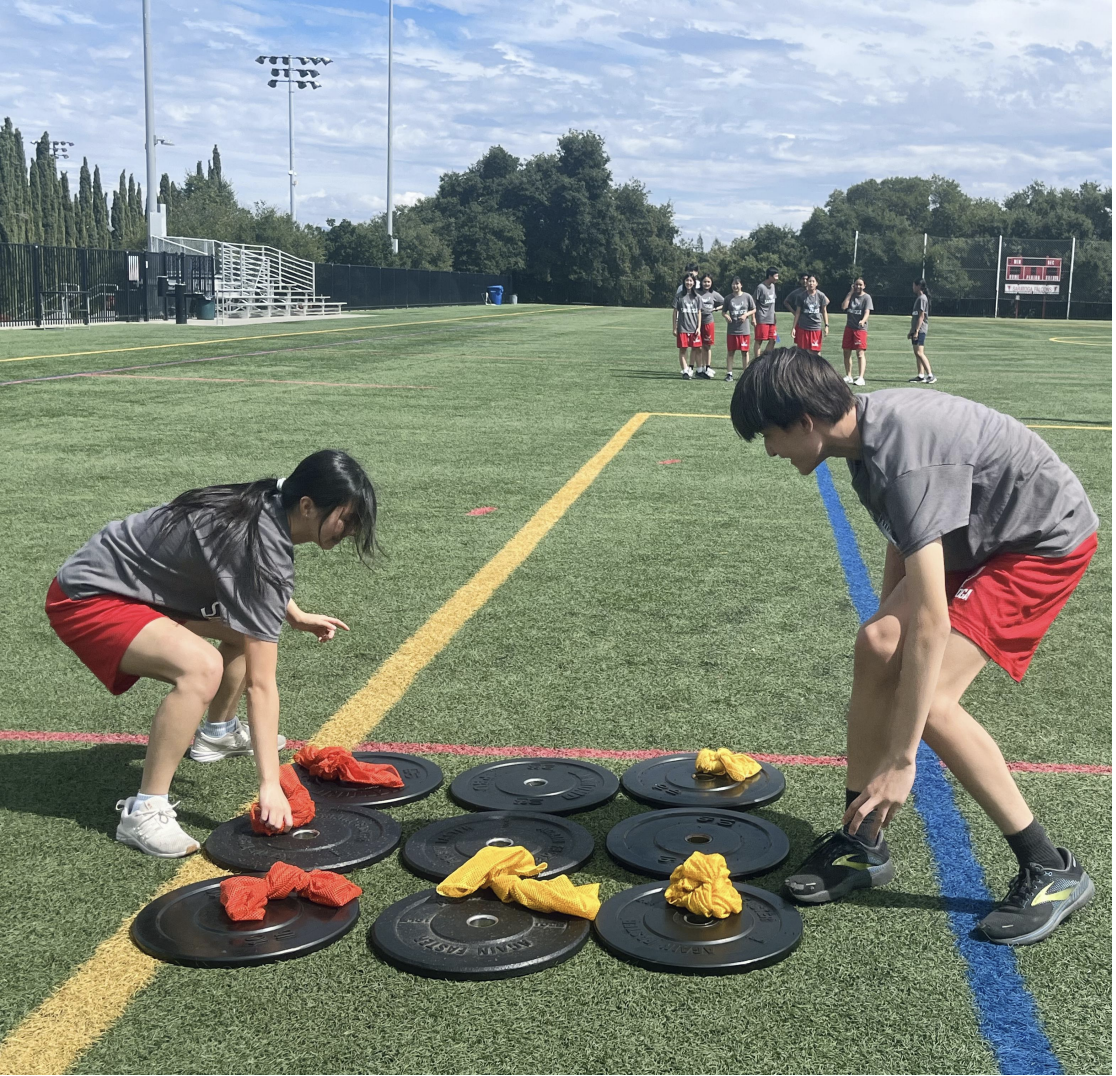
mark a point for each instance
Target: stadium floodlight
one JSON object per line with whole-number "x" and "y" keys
{"x": 390, "y": 200}
{"x": 163, "y": 142}
{"x": 60, "y": 149}
{"x": 298, "y": 75}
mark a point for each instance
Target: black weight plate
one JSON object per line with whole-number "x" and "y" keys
{"x": 437, "y": 850}
{"x": 420, "y": 778}
{"x": 549, "y": 785}
{"x": 189, "y": 926}
{"x": 670, "y": 781}
{"x": 639, "y": 925}
{"x": 338, "y": 839}
{"x": 656, "y": 842}
{"x": 477, "y": 937}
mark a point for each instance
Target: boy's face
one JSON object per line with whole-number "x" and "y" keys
{"x": 800, "y": 443}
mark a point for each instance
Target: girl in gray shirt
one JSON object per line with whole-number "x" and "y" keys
{"x": 142, "y": 595}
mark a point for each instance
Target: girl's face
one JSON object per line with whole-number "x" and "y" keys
{"x": 858, "y": 287}
{"x": 689, "y": 283}
{"x": 812, "y": 285}
{"x": 737, "y": 287}
{"x": 707, "y": 283}
{"x": 914, "y": 289}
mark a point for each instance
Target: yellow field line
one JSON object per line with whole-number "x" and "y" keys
{"x": 1083, "y": 343}
{"x": 275, "y": 336}
{"x": 53, "y": 1036}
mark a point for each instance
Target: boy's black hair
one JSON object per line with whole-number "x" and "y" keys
{"x": 770, "y": 273}
{"x": 779, "y": 388}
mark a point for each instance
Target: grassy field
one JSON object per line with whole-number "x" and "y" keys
{"x": 698, "y": 602}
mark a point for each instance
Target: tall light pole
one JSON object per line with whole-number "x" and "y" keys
{"x": 390, "y": 188}
{"x": 153, "y": 225}
{"x": 300, "y": 76}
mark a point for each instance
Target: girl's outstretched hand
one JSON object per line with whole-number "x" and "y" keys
{"x": 275, "y": 811}
{"x": 324, "y": 627}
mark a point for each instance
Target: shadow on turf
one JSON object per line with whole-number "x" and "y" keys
{"x": 84, "y": 785}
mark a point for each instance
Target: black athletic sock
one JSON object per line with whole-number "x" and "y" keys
{"x": 1032, "y": 845}
{"x": 869, "y": 821}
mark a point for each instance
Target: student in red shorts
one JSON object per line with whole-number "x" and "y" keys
{"x": 988, "y": 534}
{"x": 686, "y": 325}
{"x": 858, "y": 305}
{"x": 766, "y": 332}
{"x": 143, "y": 595}
{"x": 738, "y": 309}
{"x": 811, "y": 315}
{"x": 711, "y": 301}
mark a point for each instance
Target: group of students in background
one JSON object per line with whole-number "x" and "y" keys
{"x": 696, "y": 303}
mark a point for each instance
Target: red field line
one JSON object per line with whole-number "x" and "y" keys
{"x": 529, "y": 752}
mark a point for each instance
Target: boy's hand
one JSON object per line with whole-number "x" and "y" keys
{"x": 884, "y": 794}
{"x": 275, "y": 811}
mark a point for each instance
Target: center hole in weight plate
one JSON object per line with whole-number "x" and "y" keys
{"x": 305, "y": 834}
{"x": 698, "y": 920}
{"x": 698, "y": 838}
{"x": 482, "y": 920}
{"x": 534, "y": 782}
{"x": 499, "y": 842}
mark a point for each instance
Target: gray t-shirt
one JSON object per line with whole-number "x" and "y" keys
{"x": 859, "y": 305}
{"x": 791, "y": 301}
{"x": 765, "y": 304}
{"x": 689, "y": 312}
{"x": 736, "y": 306}
{"x": 179, "y": 571}
{"x": 710, "y": 301}
{"x": 921, "y": 306}
{"x": 940, "y": 466}
{"x": 811, "y": 309}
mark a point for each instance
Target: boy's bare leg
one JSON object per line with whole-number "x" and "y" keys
{"x": 848, "y": 362}
{"x": 862, "y": 362}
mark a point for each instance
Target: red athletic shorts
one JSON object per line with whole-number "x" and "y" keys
{"x": 809, "y": 339}
{"x": 707, "y": 334}
{"x": 738, "y": 343}
{"x": 1006, "y": 605}
{"x": 99, "y": 630}
{"x": 766, "y": 332}
{"x": 854, "y": 339}
{"x": 686, "y": 340}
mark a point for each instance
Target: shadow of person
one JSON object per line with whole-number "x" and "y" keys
{"x": 84, "y": 785}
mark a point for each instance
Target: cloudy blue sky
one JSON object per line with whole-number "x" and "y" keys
{"x": 736, "y": 113}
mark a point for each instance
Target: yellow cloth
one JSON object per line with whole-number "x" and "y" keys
{"x": 735, "y": 763}
{"x": 509, "y": 872}
{"x": 702, "y": 885}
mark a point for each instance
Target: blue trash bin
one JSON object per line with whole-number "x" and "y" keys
{"x": 496, "y": 294}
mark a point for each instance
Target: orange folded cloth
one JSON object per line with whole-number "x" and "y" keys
{"x": 245, "y": 898}
{"x": 337, "y": 764}
{"x": 736, "y": 764}
{"x": 702, "y": 885}
{"x": 508, "y": 873}
{"x": 302, "y": 806}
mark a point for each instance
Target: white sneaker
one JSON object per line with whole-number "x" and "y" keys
{"x": 848, "y": 380}
{"x": 151, "y": 827}
{"x": 710, "y": 373}
{"x": 859, "y": 381}
{"x": 214, "y": 748}
{"x": 688, "y": 374}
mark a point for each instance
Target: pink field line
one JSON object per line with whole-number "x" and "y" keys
{"x": 528, "y": 752}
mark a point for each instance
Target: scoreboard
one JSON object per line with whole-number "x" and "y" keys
{"x": 1032, "y": 276}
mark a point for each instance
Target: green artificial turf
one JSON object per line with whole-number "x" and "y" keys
{"x": 674, "y": 606}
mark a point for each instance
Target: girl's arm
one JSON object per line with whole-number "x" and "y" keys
{"x": 324, "y": 627}
{"x": 864, "y": 319}
{"x": 846, "y": 300}
{"x": 825, "y": 316}
{"x": 674, "y": 321}
{"x": 263, "y": 717}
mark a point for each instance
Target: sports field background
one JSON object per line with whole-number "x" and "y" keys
{"x": 675, "y": 605}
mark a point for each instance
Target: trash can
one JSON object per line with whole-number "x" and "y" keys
{"x": 496, "y": 294}
{"x": 205, "y": 308}
{"x": 514, "y": 300}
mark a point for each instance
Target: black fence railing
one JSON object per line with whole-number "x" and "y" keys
{"x": 364, "y": 287}
{"x": 42, "y": 285}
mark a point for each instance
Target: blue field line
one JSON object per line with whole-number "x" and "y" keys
{"x": 1006, "y": 1011}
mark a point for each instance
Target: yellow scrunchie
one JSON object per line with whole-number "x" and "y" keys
{"x": 509, "y": 872}
{"x": 702, "y": 885}
{"x": 736, "y": 764}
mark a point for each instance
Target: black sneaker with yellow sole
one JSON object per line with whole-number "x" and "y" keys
{"x": 838, "y": 864}
{"x": 1037, "y": 901}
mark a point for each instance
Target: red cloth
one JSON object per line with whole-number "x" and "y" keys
{"x": 302, "y": 806}
{"x": 686, "y": 340}
{"x": 1006, "y": 605}
{"x": 337, "y": 764}
{"x": 99, "y": 630}
{"x": 708, "y": 333}
{"x": 245, "y": 898}
{"x": 808, "y": 339}
{"x": 738, "y": 342}
{"x": 854, "y": 339}
{"x": 767, "y": 332}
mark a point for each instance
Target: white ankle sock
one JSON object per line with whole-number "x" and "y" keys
{"x": 143, "y": 797}
{"x": 216, "y": 729}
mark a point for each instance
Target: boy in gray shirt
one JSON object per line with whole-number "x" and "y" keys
{"x": 765, "y": 310}
{"x": 988, "y": 533}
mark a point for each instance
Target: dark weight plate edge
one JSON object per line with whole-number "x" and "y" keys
{"x": 754, "y": 805}
{"x": 422, "y": 872}
{"x": 254, "y": 962}
{"x": 654, "y": 965}
{"x": 534, "y": 809}
{"x": 381, "y": 803}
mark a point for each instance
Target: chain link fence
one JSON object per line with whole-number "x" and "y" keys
{"x": 966, "y": 275}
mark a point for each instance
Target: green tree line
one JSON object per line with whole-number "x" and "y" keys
{"x": 567, "y": 232}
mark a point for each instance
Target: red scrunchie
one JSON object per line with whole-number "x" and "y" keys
{"x": 245, "y": 898}
{"x": 302, "y": 806}
{"x": 337, "y": 764}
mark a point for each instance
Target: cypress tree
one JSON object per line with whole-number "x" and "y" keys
{"x": 35, "y": 203}
{"x": 100, "y": 212}
{"x": 135, "y": 207}
{"x": 69, "y": 218}
{"x": 118, "y": 215}
{"x": 15, "y": 193}
{"x": 86, "y": 229}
